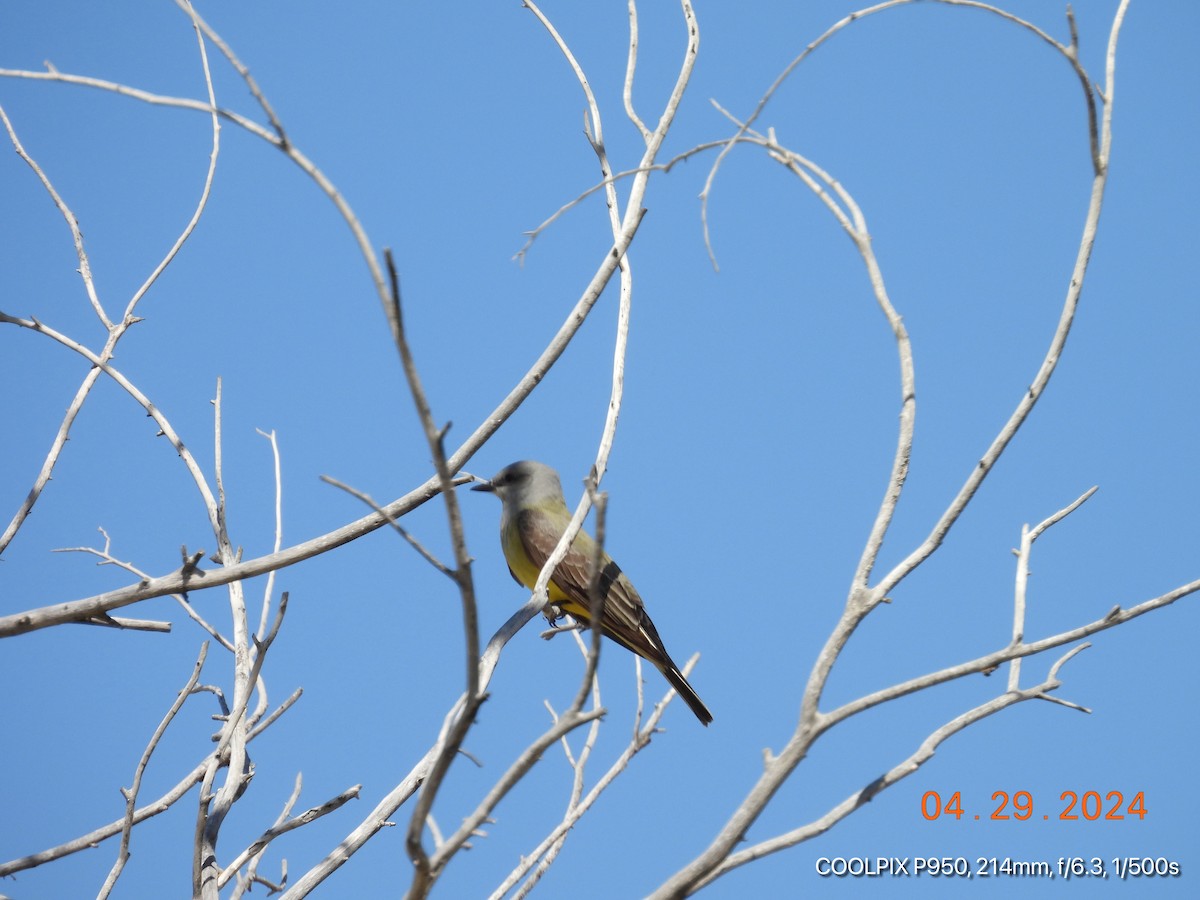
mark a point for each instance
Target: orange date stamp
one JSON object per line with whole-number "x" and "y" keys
{"x": 1072, "y": 806}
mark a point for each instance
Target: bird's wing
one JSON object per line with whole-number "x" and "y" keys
{"x": 624, "y": 617}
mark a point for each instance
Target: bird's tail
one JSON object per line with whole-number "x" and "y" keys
{"x": 690, "y": 697}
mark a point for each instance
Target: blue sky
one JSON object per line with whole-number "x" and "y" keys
{"x": 753, "y": 447}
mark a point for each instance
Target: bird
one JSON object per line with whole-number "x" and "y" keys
{"x": 533, "y": 518}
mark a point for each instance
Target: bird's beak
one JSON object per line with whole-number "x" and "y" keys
{"x": 486, "y": 486}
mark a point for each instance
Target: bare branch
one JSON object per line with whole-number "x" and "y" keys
{"x": 286, "y": 823}
{"x": 528, "y": 758}
{"x": 132, "y": 793}
{"x": 897, "y": 773}
{"x": 283, "y": 707}
{"x": 861, "y": 598}
{"x": 269, "y": 589}
{"x": 162, "y": 804}
{"x": 115, "y": 331}
{"x": 597, "y": 597}
{"x": 423, "y": 873}
{"x": 158, "y": 627}
{"x": 234, "y": 736}
{"x": 630, "y": 70}
{"x": 45, "y": 617}
{"x": 1048, "y": 366}
{"x": 542, "y": 856}
{"x": 1022, "y": 579}
{"x": 1062, "y": 513}
{"x": 238, "y": 66}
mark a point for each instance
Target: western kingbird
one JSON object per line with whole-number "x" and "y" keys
{"x": 535, "y": 516}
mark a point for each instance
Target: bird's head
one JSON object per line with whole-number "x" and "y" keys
{"x": 523, "y": 484}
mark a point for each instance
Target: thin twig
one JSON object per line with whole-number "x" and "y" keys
{"x": 396, "y": 526}
{"x": 85, "y": 266}
{"x": 533, "y": 234}
{"x": 283, "y": 707}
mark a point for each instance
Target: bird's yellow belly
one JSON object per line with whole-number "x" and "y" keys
{"x": 522, "y": 566}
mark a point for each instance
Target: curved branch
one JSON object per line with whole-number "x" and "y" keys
{"x": 862, "y": 599}
{"x": 897, "y": 773}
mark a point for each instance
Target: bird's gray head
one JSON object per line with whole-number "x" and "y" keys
{"x": 524, "y": 483}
